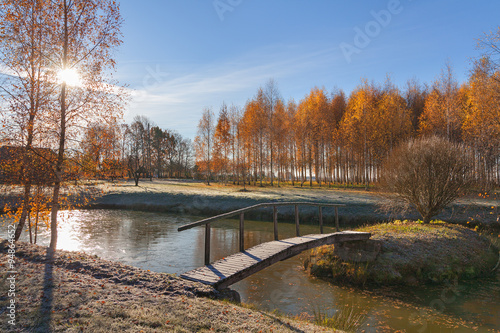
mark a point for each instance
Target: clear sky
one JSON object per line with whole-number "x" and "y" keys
{"x": 180, "y": 56}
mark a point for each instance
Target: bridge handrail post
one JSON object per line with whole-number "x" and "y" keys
{"x": 275, "y": 221}
{"x": 337, "y": 218}
{"x": 297, "y": 229}
{"x": 207, "y": 243}
{"x": 242, "y": 232}
{"x": 320, "y": 219}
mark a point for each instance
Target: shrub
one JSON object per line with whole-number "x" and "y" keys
{"x": 426, "y": 174}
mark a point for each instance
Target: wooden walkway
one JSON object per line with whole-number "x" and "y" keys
{"x": 236, "y": 267}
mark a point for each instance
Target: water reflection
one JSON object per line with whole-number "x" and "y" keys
{"x": 151, "y": 241}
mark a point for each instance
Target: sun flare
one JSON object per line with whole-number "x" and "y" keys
{"x": 70, "y": 76}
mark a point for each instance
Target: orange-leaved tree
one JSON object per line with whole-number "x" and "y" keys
{"x": 222, "y": 143}
{"x": 27, "y": 90}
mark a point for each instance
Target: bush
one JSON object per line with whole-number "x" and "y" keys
{"x": 426, "y": 174}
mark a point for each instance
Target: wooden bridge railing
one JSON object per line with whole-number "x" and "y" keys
{"x": 241, "y": 212}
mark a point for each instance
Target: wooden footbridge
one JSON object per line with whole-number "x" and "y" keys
{"x": 229, "y": 270}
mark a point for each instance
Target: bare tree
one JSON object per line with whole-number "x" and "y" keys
{"x": 491, "y": 44}
{"x": 272, "y": 96}
{"x": 426, "y": 174}
{"x": 449, "y": 87}
{"x": 235, "y": 116}
{"x": 204, "y": 141}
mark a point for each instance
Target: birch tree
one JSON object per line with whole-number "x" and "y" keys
{"x": 84, "y": 35}
{"x": 204, "y": 142}
{"x": 25, "y": 84}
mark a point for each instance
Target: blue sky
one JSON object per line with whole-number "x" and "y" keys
{"x": 180, "y": 56}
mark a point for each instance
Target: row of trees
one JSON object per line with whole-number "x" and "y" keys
{"x": 331, "y": 138}
{"x": 139, "y": 149}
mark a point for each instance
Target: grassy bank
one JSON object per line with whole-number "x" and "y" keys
{"x": 196, "y": 198}
{"x": 411, "y": 253}
{"x": 76, "y": 292}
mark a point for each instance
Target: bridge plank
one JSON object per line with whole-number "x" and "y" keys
{"x": 229, "y": 270}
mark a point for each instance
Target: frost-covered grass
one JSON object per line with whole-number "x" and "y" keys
{"x": 196, "y": 198}
{"x": 412, "y": 253}
{"x": 82, "y": 293}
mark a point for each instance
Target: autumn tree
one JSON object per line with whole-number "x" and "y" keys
{"x": 64, "y": 52}
{"x": 83, "y": 34}
{"x": 222, "y": 142}
{"x": 314, "y": 120}
{"x": 272, "y": 97}
{"x": 255, "y": 122}
{"x": 26, "y": 84}
{"x": 359, "y": 125}
{"x": 442, "y": 114}
{"x": 280, "y": 137}
{"x": 291, "y": 146}
{"x": 338, "y": 107}
{"x": 482, "y": 121}
{"x": 394, "y": 120}
{"x": 100, "y": 153}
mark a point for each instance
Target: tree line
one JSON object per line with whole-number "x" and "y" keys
{"x": 137, "y": 150}
{"x": 329, "y": 138}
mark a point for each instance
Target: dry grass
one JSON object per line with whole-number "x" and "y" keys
{"x": 347, "y": 318}
{"x": 81, "y": 293}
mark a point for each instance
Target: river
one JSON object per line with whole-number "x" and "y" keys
{"x": 151, "y": 241}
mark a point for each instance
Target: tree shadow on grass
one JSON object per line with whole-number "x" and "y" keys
{"x": 46, "y": 306}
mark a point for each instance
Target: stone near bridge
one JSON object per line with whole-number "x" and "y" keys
{"x": 358, "y": 251}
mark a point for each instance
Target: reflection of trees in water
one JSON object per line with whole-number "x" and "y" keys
{"x": 225, "y": 241}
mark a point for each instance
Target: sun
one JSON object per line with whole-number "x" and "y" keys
{"x": 70, "y": 76}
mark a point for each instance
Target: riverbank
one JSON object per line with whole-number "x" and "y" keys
{"x": 408, "y": 253}
{"x": 76, "y": 292}
{"x": 196, "y": 198}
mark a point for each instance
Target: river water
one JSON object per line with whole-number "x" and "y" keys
{"x": 151, "y": 241}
